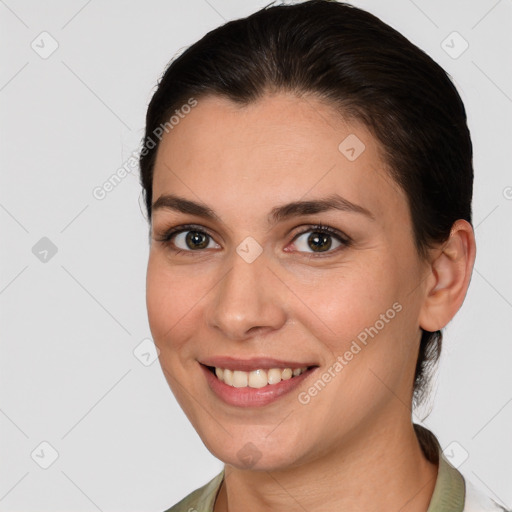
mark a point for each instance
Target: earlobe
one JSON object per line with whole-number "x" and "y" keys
{"x": 450, "y": 274}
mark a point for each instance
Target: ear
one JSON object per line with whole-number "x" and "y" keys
{"x": 448, "y": 278}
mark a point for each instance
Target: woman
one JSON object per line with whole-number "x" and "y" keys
{"x": 307, "y": 173}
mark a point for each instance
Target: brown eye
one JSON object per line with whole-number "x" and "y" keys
{"x": 192, "y": 240}
{"x": 187, "y": 239}
{"x": 196, "y": 240}
{"x": 320, "y": 240}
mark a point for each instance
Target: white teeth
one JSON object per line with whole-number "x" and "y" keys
{"x": 240, "y": 379}
{"x": 287, "y": 374}
{"x": 257, "y": 378}
{"x": 274, "y": 376}
{"x": 228, "y": 377}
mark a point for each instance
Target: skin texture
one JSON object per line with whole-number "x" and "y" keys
{"x": 352, "y": 447}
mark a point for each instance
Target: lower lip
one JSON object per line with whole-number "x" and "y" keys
{"x": 253, "y": 397}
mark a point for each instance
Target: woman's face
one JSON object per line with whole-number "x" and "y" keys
{"x": 254, "y": 285}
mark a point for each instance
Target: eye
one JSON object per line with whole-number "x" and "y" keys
{"x": 187, "y": 239}
{"x": 320, "y": 239}
{"x": 192, "y": 240}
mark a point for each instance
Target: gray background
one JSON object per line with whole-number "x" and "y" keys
{"x": 70, "y": 321}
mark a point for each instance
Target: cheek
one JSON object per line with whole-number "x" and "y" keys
{"x": 358, "y": 314}
{"x": 343, "y": 302}
{"x": 171, "y": 297}
{"x": 158, "y": 290}
{"x": 373, "y": 316}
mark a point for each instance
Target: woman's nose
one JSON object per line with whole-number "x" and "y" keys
{"x": 248, "y": 300}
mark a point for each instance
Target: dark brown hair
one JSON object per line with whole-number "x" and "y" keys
{"x": 367, "y": 71}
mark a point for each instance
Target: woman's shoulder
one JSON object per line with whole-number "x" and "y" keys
{"x": 202, "y": 499}
{"x": 452, "y": 491}
{"x": 477, "y": 501}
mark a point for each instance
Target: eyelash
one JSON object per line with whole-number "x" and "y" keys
{"x": 166, "y": 238}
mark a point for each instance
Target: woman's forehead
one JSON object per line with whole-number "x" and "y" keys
{"x": 281, "y": 145}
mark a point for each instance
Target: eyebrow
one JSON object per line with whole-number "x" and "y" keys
{"x": 277, "y": 214}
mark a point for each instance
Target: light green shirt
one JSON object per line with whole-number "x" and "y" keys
{"x": 451, "y": 492}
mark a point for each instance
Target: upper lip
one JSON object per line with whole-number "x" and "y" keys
{"x": 257, "y": 363}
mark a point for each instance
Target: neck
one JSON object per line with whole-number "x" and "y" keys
{"x": 376, "y": 470}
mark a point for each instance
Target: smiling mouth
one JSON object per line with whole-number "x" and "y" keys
{"x": 256, "y": 378}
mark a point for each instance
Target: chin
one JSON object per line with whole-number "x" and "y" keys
{"x": 257, "y": 454}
